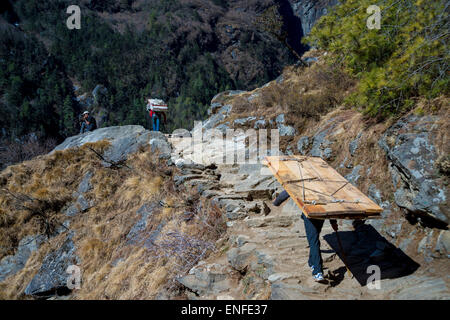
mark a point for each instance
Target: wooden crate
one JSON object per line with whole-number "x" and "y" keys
{"x": 319, "y": 190}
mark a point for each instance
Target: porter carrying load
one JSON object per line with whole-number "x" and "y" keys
{"x": 319, "y": 190}
{"x": 157, "y": 108}
{"x": 321, "y": 193}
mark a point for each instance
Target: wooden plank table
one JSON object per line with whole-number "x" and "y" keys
{"x": 319, "y": 190}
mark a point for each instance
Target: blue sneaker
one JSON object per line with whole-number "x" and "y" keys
{"x": 319, "y": 277}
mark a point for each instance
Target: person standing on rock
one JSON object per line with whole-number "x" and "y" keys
{"x": 312, "y": 228}
{"x": 155, "y": 115}
{"x": 88, "y": 123}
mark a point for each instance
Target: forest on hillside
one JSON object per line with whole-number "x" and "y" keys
{"x": 174, "y": 50}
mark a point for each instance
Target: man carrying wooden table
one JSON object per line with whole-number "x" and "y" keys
{"x": 312, "y": 228}
{"x": 321, "y": 193}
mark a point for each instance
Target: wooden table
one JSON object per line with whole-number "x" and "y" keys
{"x": 319, "y": 190}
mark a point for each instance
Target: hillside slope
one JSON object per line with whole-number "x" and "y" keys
{"x": 216, "y": 233}
{"x": 400, "y": 164}
{"x": 151, "y": 216}
{"x": 106, "y": 202}
{"x": 181, "y": 51}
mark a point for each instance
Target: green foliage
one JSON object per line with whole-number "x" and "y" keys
{"x": 176, "y": 57}
{"x": 34, "y": 87}
{"x": 408, "y": 57}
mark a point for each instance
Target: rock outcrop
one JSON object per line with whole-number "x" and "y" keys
{"x": 10, "y": 265}
{"x": 266, "y": 251}
{"x": 52, "y": 277}
{"x": 123, "y": 139}
{"x": 413, "y": 157}
{"x": 309, "y": 11}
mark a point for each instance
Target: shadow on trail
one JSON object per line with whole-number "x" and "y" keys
{"x": 365, "y": 247}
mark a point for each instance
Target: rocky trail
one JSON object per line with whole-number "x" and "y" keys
{"x": 265, "y": 251}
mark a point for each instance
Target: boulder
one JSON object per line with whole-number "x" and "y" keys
{"x": 443, "y": 243}
{"x": 239, "y": 258}
{"x": 354, "y": 176}
{"x": 181, "y": 133}
{"x": 206, "y": 279}
{"x": 286, "y": 130}
{"x": 284, "y": 291}
{"x": 309, "y": 11}
{"x": 278, "y": 276}
{"x": 10, "y": 265}
{"x": 412, "y": 155}
{"x": 321, "y": 145}
{"x": 52, "y": 277}
{"x": 137, "y": 232}
{"x": 354, "y": 144}
{"x": 218, "y": 117}
{"x": 260, "y": 124}
{"x": 80, "y": 205}
{"x": 85, "y": 184}
{"x": 124, "y": 141}
{"x": 280, "y": 119}
{"x": 303, "y": 144}
{"x": 421, "y": 288}
{"x": 243, "y": 121}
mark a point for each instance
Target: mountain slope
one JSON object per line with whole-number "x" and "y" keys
{"x": 181, "y": 51}
{"x": 141, "y": 220}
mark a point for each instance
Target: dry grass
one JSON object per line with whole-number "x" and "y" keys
{"x": 304, "y": 95}
{"x": 12, "y": 152}
{"x": 112, "y": 267}
{"x": 309, "y": 92}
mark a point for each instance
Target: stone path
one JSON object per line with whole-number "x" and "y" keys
{"x": 266, "y": 252}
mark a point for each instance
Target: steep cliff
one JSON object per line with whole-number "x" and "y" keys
{"x": 400, "y": 164}
{"x": 309, "y": 11}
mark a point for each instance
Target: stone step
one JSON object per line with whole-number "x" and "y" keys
{"x": 198, "y": 177}
{"x": 274, "y": 233}
{"x": 284, "y": 291}
{"x": 277, "y": 221}
{"x": 290, "y": 244}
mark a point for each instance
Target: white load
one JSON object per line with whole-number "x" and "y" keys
{"x": 156, "y": 105}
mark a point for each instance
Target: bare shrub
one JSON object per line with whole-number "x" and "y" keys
{"x": 324, "y": 89}
{"x": 307, "y": 93}
{"x": 12, "y": 152}
{"x": 187, "y": 250}
{"x": 241, "y": 105}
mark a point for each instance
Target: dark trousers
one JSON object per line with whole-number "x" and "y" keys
{"x": 313, "y": 228}
{"x": 155, "y": 122}
{"x": 84, "y": 127}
